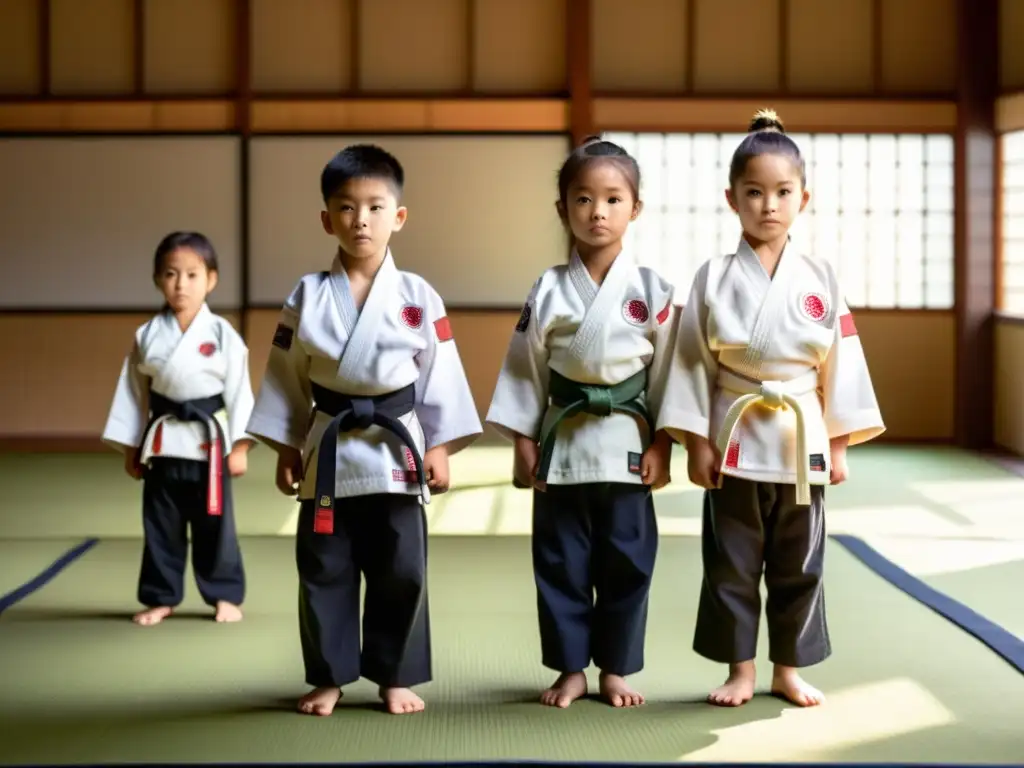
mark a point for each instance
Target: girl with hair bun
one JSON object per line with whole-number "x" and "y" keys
{"x": 768, "y": 387}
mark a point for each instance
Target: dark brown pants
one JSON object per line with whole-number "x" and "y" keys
{"x": 750, "y": 528}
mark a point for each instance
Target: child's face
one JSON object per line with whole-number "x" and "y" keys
{"x": 599, "y": 205}
{"x": 768, "y": 196}
{"x": 363, "y": 215}
{"x": 185, "y": 280}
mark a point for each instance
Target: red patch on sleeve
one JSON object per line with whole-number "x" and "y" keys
{"x": 663, "y": 315}
{"x": 443, "y": 328}
{"x": 846, "y": 325}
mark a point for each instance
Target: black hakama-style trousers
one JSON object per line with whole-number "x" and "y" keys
{"x": 382, "y": 537}
{"x": 594, "y": 547}
{"x": 754, "y": 528}
{"x": 174, "y": 503}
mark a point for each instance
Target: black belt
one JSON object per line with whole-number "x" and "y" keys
{"x": 352, "y": 412}
{"x": 202, "y": 411}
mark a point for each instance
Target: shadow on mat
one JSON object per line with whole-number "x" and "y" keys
{"x": 29, "y": 614}
{"x": 268, "y": 729}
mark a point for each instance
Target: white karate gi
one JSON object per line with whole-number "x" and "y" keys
{"x": 400, "y": 337}
{"x": 787, "y": 348}
{"x": 206, "y": 360}
{"x": 592, "y": 335}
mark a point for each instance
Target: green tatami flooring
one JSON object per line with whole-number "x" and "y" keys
{"x": 81, "y": 684}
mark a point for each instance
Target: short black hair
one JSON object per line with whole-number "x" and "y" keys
{"x": 194, "y": 241}
{"x": 361, "y": 161}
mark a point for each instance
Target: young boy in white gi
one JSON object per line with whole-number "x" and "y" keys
{"x": 364, "y": 399}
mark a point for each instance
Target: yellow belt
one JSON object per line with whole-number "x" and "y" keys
{"x": 776, "y": 395}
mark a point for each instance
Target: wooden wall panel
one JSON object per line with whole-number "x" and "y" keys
{"x": 1008, "y": 408}
{"x": 1011, "y": 45}
{"x": 639, "y": 46}
{"x": 302, "y": 45}
{"x": 830, "y": 46}
{"x": 919, "y": 48}
{"x": 411, "y": 45}
{"x": 189, "y": 46}
{"x": 519, "y": 47}
{"x": 92, "y": 48}
{"x": 19, "y": 47}
{"x": 737, "y": 46}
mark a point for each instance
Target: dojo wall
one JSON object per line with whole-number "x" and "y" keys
{"x": 169, "y": 92}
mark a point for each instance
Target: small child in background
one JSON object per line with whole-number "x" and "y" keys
{"x": 179, "y": 414}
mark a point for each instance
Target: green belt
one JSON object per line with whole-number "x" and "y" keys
{"x": 569, "y": 398}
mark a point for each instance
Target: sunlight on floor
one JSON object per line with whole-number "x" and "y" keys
{"x": 853, "y": 716}
{"x": 937, "y": 556}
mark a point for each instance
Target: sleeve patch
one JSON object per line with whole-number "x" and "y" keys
{"x": 283, "y": 337}
{"x": 663, "y": 315}
{"x": 524, "y": 319}
{"x": 846, "y": 325}
{"x": 443, "y": 329}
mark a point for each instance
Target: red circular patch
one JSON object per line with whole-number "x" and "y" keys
{"x": 412, "y": 316}
{"x": 814, "y": 306}
{"x": 635, "y": 311}
{"x": 207, "y": 349}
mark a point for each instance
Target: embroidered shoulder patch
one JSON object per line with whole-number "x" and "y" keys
{"x": 206, "y": 349}
{"x": 411, "y": 316}
{"x": 283, "y": 337}
{"x": 443, "y": 329}
{"x": 524, "y": 319}
{"x": 636, "y": 312}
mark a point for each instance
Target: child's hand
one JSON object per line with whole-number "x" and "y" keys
{"x": 238, "y": 460}
{"x": 526, "y": 462}
{"x": 131, "y": 464}
{"x": 840, "y": 470}
{"x": 289, "y": 470}
{"x": 702, "y": 461}
{"x": 656, "y": 462}
{"x": 435, "y": 467}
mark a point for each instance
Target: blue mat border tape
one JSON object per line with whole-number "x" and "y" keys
{"x": 1006, "y": 644}
{"x": 44, "y": 578}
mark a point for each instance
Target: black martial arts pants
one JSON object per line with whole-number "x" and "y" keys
{"x": 594, "y": 547}
{"x": 384, "y": 538}
{"x": 174, "y": 498}
{"x": 750, "y": 528}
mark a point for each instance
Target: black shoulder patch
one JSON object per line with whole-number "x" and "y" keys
{"x": 283, "y": 337}
{"x": 524, "y": 319}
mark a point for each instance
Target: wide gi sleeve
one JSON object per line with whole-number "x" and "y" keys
{"x": 444, "y": 401}
{"x": 692, "y": 370}
{"x": 663, "y": 340}
{"x": 521, "y": 396}
{"x": 850, "y": 407}
{"x": 281, "y": 413}
{"x": 238, "y": 397}
{"x": 129, "y": 411}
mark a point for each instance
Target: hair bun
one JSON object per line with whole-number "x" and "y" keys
{"x": 766, "y": 120}
{"x": 591, "y": 139}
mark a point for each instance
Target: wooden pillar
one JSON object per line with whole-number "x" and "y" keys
{"x": 577, "y": 26}
{"x": 975, "y": 174}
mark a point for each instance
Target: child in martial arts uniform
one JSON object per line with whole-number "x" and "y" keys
{"x": 368, "y": 349}
{"x": 768, "y": 387}
{"x": 579, "y": 390}
{"x": 179, "y": 415}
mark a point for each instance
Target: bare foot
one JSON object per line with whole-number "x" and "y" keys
{"x": 738, "y": 689}
{"x": 565, "y": 690}
{"x": 227, "y": 612}
{"x": 320, "y": 701}
{"x": 401, "y": 701}
{"x": 151, "y": 616}
{"x": 618, "y": 692}
{"x": 788, "y": 684}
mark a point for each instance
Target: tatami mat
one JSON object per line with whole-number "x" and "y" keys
{"x": 904, "y": 684}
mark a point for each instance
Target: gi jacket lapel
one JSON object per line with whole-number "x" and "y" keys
{"x": 367, "y": 323}
{"x": 599, "y": 301}
{"x": 773, "y": 290}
